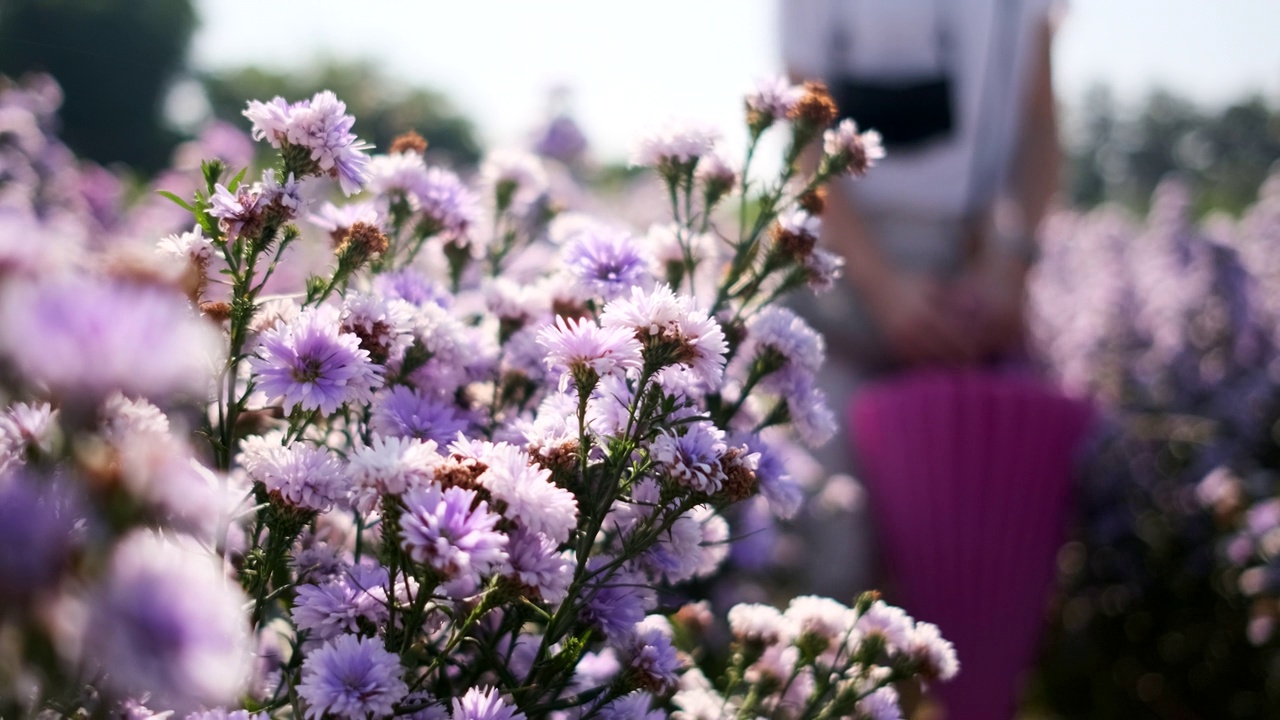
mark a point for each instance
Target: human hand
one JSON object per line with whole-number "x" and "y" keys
{"x": 912, "y": 313}
{"x": 990, "y": 299}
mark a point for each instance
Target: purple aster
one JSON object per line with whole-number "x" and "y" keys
{"x": 411, "y": 286}
{"x": 453, "y": 533}
{"x": 270, "y": 120}
{"x": 777, "y": 485}
{"x": 774, "y": 98}
{"x": 351, "y": 677}
{"x": 676, "y": 142}
{"x": 449, "y": 206}
{"x": 651, "y": 659}
{"x": 810, "y": 414}
{"x": 671, "y": 331}
{"x": 617, "y": 600}
{"x": 786, "y": 347}
{"x": 849, "y": 151}
{"x": 338, "y": 606}
{"x": 239, "y": 212}
{"x": 302, "y": 475}
{"x": 693, "y": 458}
{"x": 880, "y": 705}
{"x": 384, "y": 325}
{"x": 82, "y": 336}
{"x": 533, "y": 561}
{"x": 822, "y": 268}
{"x": 484, "y": 704}
{"x": 606, "y": 262}
{"x": 323, "y": 127}
{"x": 390, "y": 465}
{"x": 26, "y": 428}
{"x": 36, "y": 522}
{"x": 583, "y": 351}
{"x": 756, "y": 623}
{"x": 338, "y": 219}
{"x": 526, "y": 495}
{"x": 398, "y": 175}
{"x": 891, "y": 623}
{"x": 405, "y": 412}
{"x": 937, "y": 656}
{"x": 166, "y": 621}
{"x": 309, "y": 363}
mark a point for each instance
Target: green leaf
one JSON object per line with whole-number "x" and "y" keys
{"x": 177, "y": 200}
{"x": 235, "y": 181}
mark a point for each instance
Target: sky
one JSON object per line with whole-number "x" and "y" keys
{"x": 631, "y": 64}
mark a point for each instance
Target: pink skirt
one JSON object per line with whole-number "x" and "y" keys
{"x": 969, "y": 474}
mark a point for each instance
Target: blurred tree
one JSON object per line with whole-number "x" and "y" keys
{"x": 1223, "y": 154}
{"x": 383, "y": 107}
{"x": 114, "y": 61}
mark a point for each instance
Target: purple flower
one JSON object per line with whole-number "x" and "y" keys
{"x": 583, "y": 351}
{"x": 83, "y": 336}
{"x": 534, "y": 563}
{"x": 448, "y": 530}
{"x": 789, "y": 349}
{"x": 633, "y": 706}
{"x": 652, "y": 660}
{"x": 302, "y": 475}
{"x": 166, "y": 621}
{"x": 526, "y": 494}
{"x": 671, "y": 331}
{"x": 224, "y": 714}
{"x": 774, "y": 98}
{"x": 309, "y": 363}
{"x": 617, "y": 600}
{"x": 405, "y": 412}
{"x": 412, "y": 287}
{"x": 239, "y": 212}
{"x": 849, "y": 151}
{"x": 514, "y": 178}
{"x": 351, "y": 677}
{"x": 338, "y": 219}
{"x": 447, "y": 202}
{"x": 810, "y": 414}
{"x": 880, "y": 705}
{"x": 339, "y": 605}
{"x": 693, "y": 458}
{"x": 484, "y": 704}
{"x": 36, "y": 522}
{"x": 390, "y": 465}
{"x": 676, "y": 142}
{"x": 605, "y": 262}
{"x": 322, "y": 127}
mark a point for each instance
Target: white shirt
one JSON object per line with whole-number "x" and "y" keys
{"x": 990, "y": 62}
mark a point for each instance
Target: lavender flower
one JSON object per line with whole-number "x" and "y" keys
{"x": 238, "y": 213}
{"x": 585, "y": 352}
{"x": 86, "y": 337}
{"x": 848, "y": 151}
{"x": 671, "y": 331}
{"x": 323, "y": 127}
{"x": 351, "y": 677}
{"x": 787, "y": 351}
{"x": 309, "y": 364}
{"x": 756, "y": 623}
{"x": 692, "y": 458}
{"x": 534, "y": 563}
{"x": 449, "y": 205}
{"x": 405, "y": 412}
{"x": 390, "y": 466}
{"x": 880, "y": 705}
{"x": 652, "y": 661}
{"x": 411, "y": 286}
{"x": 454, "y": 534}
{"x": 633, "y": 706}
{"x": 773, "y": 99}
{"x": 937, "y": 656}
{"x": 605, "y": 262}
{"x": 339, "y": 606}
{"x": 617, "y": 600}
{"x": 165, "y": 621}
{"x": 676, "y": 143}
{"x": 302, "y": 475}
{"x": 526, "y": 495}
{"x": 36, "y": 524}
{"x": 484, "y": 704}
{"x": 337, "y": 220}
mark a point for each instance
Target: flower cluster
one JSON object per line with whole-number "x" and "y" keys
{"x": 444, "y": 476}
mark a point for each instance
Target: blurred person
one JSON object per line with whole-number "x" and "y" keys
{"x": 965, "y": 454}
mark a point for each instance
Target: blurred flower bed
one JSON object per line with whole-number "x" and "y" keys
{"x": 1169, "y": 602}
